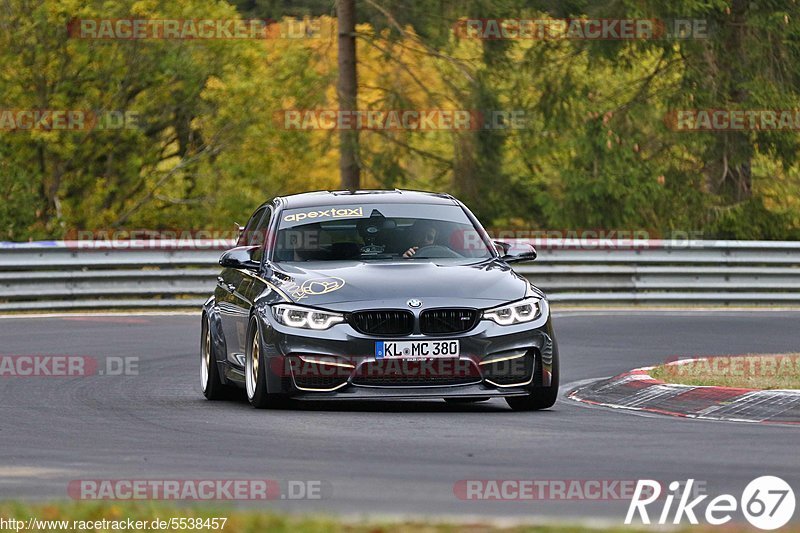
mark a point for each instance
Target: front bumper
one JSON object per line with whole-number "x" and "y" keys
{"x": 340, "y": 363}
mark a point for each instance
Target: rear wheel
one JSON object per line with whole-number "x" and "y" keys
{"x": 540, "y": 397}
{"x": 256, "y": 374}
{"x": 210, "y": 381}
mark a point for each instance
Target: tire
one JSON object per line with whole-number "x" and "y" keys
{"x": 467, "y": 400}
{"x": 255, "y": 374}
{"x": 540, "y": 397}
{"x": 210, "y": 381}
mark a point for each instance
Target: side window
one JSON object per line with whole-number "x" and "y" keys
{"x": 260, "y": 234}
{"x": 248, "y": 233}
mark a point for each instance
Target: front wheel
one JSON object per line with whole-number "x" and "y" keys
{"x": 255, "y": 370}
{"x": 540, "y": 397}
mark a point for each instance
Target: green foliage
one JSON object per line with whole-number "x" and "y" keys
{"x": 595, "y": 153}
{"x": 752, "y": 220}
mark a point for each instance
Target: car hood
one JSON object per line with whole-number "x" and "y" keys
{"x": 345, "y": 286}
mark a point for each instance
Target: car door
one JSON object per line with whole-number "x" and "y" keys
{"x": 250, "y": 284}
{"x": 231, "y": 283}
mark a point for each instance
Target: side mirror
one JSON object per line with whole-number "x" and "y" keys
{"x": 517, "y": 254}
{"x": 501, "y": 247}
{"x": 240, "y": 257}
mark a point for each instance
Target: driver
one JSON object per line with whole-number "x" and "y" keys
{"x": 428, "y": 234}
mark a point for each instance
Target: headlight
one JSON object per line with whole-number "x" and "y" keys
{"x": 302, "y": 317}
{"x": 517, "y": 313}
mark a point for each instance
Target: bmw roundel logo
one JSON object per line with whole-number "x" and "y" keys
{"x": 414, "y": 303}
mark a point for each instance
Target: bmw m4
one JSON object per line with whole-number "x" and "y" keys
{"x": 376, "y": 295}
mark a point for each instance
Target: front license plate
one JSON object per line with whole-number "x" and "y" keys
{"x": 416, "y": 349}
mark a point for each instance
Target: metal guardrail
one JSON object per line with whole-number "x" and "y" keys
{"x": 58, "y": 275}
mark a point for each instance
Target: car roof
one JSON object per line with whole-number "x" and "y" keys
{"x": 375, "y": 196}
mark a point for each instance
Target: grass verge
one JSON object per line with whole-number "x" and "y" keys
{"x": 83, "y": 516}
{"x": 776, "y": 371}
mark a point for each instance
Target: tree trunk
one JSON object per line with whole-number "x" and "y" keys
{"x": 347, "y": 91}
{"x": 731, "y": 176}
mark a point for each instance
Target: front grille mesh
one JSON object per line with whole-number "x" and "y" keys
{"x": 383, "y": 322}
{"x": 442, "y": 321}
{"x": 404, "y": 373}
{"x": 318, "y": 382}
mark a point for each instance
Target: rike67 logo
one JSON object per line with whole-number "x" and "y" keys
{"x": 767, "y": 502}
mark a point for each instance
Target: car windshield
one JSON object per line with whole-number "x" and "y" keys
{"x": 379, "y": 232}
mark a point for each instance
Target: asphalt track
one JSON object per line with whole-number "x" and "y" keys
{"x": 386, "y": 458}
